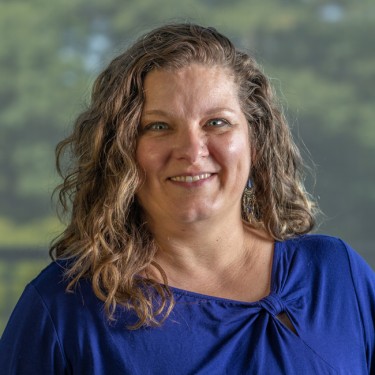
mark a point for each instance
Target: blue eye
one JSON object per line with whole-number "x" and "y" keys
{"x": 217, "y": 123}
{"x": 157, "y": 126}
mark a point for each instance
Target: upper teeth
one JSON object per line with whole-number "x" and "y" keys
{"x": 191, "y": 178}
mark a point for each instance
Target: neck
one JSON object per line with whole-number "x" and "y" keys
{"x": 222, "y": 258}
{"x": 207, "y": 252}
{"x": 204, "y": 239}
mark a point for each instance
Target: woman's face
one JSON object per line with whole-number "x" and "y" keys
{"x": 193, "y": 146}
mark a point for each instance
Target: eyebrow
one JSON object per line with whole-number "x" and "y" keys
{"x": 162, "y": 112}
{"x": 155, "y": 112}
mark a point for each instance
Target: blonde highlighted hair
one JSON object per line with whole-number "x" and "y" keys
{"x": 106, "y": 238}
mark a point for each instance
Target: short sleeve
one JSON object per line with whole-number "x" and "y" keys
{"x": 29, "y": 344}
{"x": 364, "y": 283}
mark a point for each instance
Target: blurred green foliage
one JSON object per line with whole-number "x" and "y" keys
{"x": 319, "y": 55}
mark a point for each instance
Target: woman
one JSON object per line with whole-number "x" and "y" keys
{"x": 187, "y": 249}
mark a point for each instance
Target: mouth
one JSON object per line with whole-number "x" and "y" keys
{"x": 191, "y": 178}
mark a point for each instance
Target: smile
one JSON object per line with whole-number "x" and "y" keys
{"x": 197, "y": 177}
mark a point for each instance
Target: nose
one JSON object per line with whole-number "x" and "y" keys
{"x": 191, "y": 144}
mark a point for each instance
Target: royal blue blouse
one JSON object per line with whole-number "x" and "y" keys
{"x": 324, "y": 288}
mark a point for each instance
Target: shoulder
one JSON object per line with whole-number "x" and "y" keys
{"x": 51, "y": 278}
{"x": 51, "y": 286}
{"x": 337, "y": 275}
{"x": 316, "y": 242}
{"x": 31, "y": 328}
{"x": 326, "y": 269}
{"x": 320, "y": 260}
{"x": 326, "y": 250}
{"x": 312, "y": 250}
{"x": 51, "y": 283}
{"x": 318, "y": 248}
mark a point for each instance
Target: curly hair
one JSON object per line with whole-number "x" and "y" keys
{"x": 106, "y": 239}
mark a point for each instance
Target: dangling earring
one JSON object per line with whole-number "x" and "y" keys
{"x": 249, "y": 213}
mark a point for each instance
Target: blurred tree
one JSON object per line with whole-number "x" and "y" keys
{"x": 327, "y": 69}
{"x": 40, "y": 83}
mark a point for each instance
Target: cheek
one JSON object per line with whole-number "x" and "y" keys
{"x": 151, "y": 158}
{"x": 145, "y": 156}
{"x": 239, "y": 153}
{"x": 143, "y": 162}
{"x": 140, "y": 157}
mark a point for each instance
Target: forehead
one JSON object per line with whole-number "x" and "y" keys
{"x": 191, "y": 71}
{"x": 189, "y": 85}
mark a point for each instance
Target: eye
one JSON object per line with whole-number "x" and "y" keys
{"x": 217, "y": 123}
{"x": 156, "y": 126}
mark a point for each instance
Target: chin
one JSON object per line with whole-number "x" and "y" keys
{"x": 192, "y": 216}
